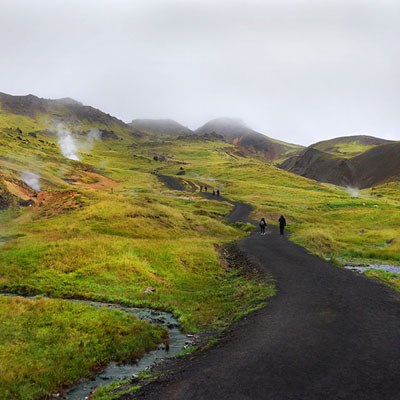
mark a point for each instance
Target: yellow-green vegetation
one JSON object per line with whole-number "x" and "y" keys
{"x": 48, "y": 343}
{"x": 347, "y": 147}
{"x": 325, "y": 219}
{"x": 116, "y": 246}
{"x": 389, "y": 278}
{"x": 115, "y": 390}
{"x": 107, "y": 229}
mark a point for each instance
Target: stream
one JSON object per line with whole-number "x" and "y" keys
{"x": 178, "y": 341}
{"x": 387, "y": 268}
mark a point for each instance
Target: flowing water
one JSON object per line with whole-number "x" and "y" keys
{"x": 178, "y": 341}
{"x": 387, "y": 268}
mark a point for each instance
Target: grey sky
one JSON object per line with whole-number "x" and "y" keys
{"x": 297, "y": 70}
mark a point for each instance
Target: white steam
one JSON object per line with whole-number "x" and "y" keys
{"x": 86, "y": 144}
{"x": 71, "y": 145}
{"x": 31, "y": 179}
{"x": 353, "y": 192}
{"x": 67, "y": 143}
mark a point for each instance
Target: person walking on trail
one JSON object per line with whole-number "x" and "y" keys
{"x": 282, "y": 224}
{"x": 218, "y": 192}
{"x": 263, "y": 225}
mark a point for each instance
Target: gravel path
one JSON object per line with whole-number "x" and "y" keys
{"x": 327, "y": 334}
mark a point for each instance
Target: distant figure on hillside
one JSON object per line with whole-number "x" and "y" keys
{"x": 201, "y": 188}
{"x": 218, "y": 192}
{"x": 263, "y": 225}
{"x": 213, "y": 192}
{"x": 205, "y": 188}
{"x": 282, "y": 224}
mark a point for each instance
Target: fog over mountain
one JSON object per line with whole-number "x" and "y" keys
{"x": 298, "y": 70}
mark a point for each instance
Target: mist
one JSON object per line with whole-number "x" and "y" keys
{"x": 298, "y": 70}
{"x": 87, "y": 142}
{"x": 353, "y": 192}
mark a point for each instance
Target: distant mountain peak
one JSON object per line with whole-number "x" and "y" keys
{"x": 235, "y": 131}
{"x": 61, "y": 110}
{"x": 226, "y": 126}
{"x": 160, "y": 126}
{"x": 69, "y": 100}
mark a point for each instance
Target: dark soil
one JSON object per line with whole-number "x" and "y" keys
{"x": 373, "y": 167}
{"x": 327, "y": 334}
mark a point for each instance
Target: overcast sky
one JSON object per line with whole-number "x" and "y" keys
{"x": 296, "y": 70}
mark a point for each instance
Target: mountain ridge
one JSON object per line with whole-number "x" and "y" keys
{"x": 61, "y": 110}
{"x": 375, "y": 166}
{"x": 239, "y": 134}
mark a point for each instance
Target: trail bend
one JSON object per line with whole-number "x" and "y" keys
{"x": 327, "y": 334}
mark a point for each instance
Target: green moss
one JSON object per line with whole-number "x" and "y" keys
{"x": 49, "y": 343}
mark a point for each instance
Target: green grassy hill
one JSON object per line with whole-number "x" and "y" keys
{"x": 349, "y": 146}
{"x": 348, "y": 162}
{"x": 102, "y": 226}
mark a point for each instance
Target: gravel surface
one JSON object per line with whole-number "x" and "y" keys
{"x": 327, "y": 334}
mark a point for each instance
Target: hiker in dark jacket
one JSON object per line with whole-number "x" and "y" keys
{"x": 282, "y": 224}
{"x": 263, "y": 225}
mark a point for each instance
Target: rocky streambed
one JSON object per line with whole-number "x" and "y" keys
{"x": 387, "y": 268}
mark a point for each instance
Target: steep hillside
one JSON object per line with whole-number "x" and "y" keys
{"x": 378, "y": 165}
{"x": 31, "y": 113}
{"x": 42, "y": 141}
{"x": 160, "y": 126}
{"x": 375, "y": 166}
{"x": 236, "y": 132}
{"x": 323, "y": 167}
{"x": 348, "y": 146}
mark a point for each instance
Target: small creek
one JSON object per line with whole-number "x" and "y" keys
{"x": 387, "y": 268}
{"x": 178, "y": 341}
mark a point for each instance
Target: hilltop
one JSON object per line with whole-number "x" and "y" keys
{"x": 237, "y": 133}
{"x": 356, "y": 161}
{"x": 62, "y": 110}
{"x": 160, "y": 126}
{"x": 349, "y": 146}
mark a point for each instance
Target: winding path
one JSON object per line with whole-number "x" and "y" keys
{"x": 327, "y": 334}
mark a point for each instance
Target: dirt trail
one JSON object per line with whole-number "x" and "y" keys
{"x": 327, "y": 334}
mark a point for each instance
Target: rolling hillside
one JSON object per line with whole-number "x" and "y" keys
{"x": 376, "y": 162}
{"x": 97, "y": 223}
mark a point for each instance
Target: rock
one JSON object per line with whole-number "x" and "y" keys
{"x": 149, "y": 289}
{"x": 26, "y": 203}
